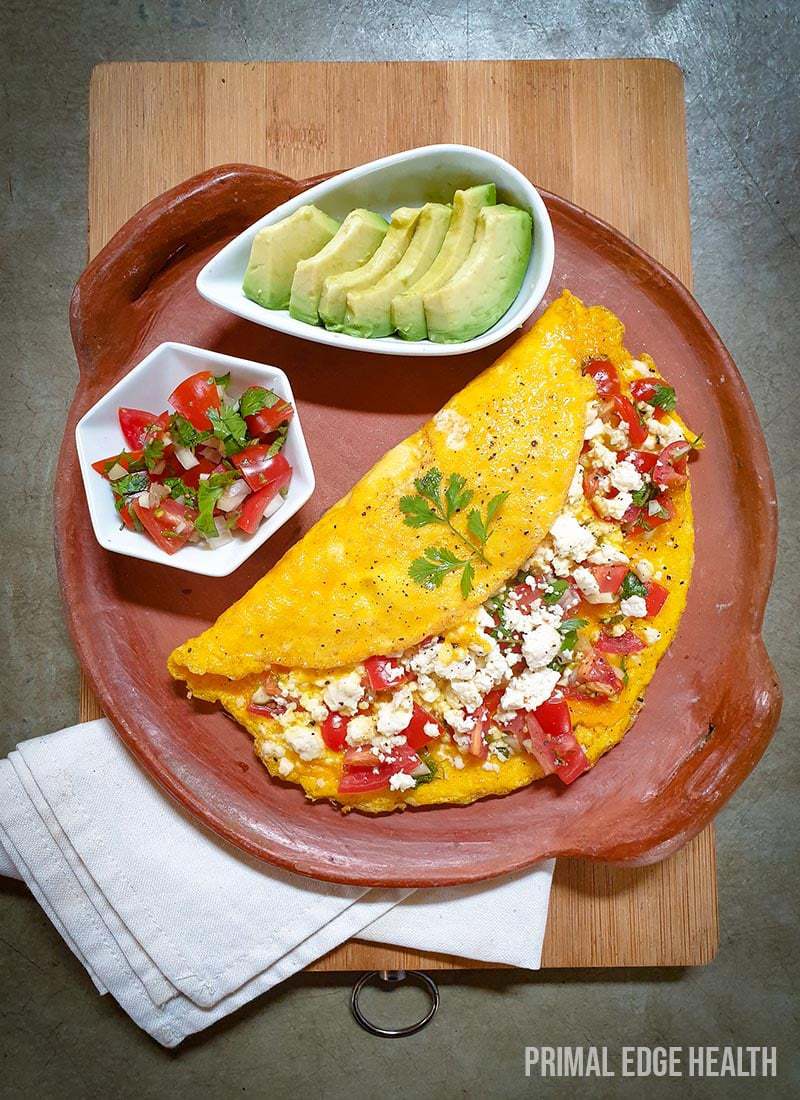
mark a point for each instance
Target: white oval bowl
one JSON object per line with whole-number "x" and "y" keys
{"x": 431, "y": 173}
{"x": 147, "y": 386}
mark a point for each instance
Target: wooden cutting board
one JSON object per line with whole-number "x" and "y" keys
{"x": 610, "y": 136}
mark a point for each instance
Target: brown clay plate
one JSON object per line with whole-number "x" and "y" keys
{"x": 710, "y": 709}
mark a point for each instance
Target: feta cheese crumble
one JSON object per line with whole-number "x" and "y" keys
{"x": 344, "y": 694}
{"x": 454, "y": 427}
{"x": 401, "y": 782}
{"x": 307, "y": 743}
{"x": 541, "y": 646}
{"x": 634, "y": 606}
{"x": 529, "y": 690}
{"x": 571, "y": 539}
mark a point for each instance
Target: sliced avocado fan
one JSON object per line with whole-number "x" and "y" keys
{"x": 369, "y": 311}
{"x": 487, "y": 282}
{"x": 278, "y": 248}
{"x": 408, "y": 312}
{"x": 357, "y": 238}
{"x": 333, "y": 300}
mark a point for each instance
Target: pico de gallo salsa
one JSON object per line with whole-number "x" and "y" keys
{"x": 208, "y": 468}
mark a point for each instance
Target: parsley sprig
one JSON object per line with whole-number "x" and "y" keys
{"x": 432, "y": 506}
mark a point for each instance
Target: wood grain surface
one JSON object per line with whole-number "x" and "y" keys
{"x": 610, "y": 136}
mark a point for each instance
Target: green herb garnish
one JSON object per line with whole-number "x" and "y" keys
{"x": 278, "y": 441}
{"x": 223, "y": 380}
{"x": 632, "y": 586}
{"x": 568, "y": 630}
{"x": 183, "y": 433}
{"x": 663, "y": 398}
{"x": 229, "y": 427}
{"x": 208, "y": 493}
{"x": 554, "y": 590}
{"x": 430, "y": 507}
{"x": 132, "y": 483}
{"x": 255, "y": 399}
{"x": 430, "y": 764}
{"x": 643, "y": 496}
{"x": 179, "y": 490}
{"x": 153, "y": 453}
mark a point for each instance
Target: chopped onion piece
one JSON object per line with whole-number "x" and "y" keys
{"x": 273, "y": 506}
{"x": 223, "y": 534}
{"x": 186, "y": 458}
{"x": 156, "y": 494}
{"x": 260, "y": 696}
{"x": 116, "y": 472}
{"x": 233, "y": 495}
{"x": 420, "y": 770}
{"x": 211, "y": 452}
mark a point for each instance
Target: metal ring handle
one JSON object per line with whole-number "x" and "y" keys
{"x": 393, "y": 978}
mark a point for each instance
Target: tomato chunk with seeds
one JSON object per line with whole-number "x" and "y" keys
{"x": 624, "y": 643}
{"x": 139, "y": 426}
{"x": 169, "y": 524}
{"x": 415, "y": 733}
{"x": 656, "y": 597}
{"x": 627, "y": 414}
{"x": 195, "y": 397}
{"x": 259, "y": 468}
{"x": 609, "y": 577}
{"x": 384, "y": 673}
{"x": 371, "y": 776}
{"x": 334, "y": 730}
{"x": 670, "y": 467}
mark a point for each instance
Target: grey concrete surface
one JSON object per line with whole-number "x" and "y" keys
{"x": 740, "y": 59}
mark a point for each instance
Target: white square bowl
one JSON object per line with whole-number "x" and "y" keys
{"x": 431, "y": 173}
{"x": 147, "y": 386}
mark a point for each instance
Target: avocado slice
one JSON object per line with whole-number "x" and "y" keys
{"x": 408, "y": 313}
{"x": 333, "y": 300}
{"x": 355, "y": 241}
{"x": 276, "y": 251}
{"x": 369, "y": 311}
{"x": 487, "y": 282}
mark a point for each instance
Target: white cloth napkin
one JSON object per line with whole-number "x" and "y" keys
{"x": 180, "y": 927}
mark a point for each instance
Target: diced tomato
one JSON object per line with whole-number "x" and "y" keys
{"x": 656, "y": 597}
{"x": 125, "y": 459}
{"x": 609, "y": 577}
{"x": 266, "y": 421}
{"x": 135, "y": 424}
{"x": 361, "y": 757}
{"x": 254, "y": 506}
{"x": 259, "y": 469}
{"x": 415, "y": 733}
{"x": 127, "y": 518}
{"x": 596, "y": 678}
{"x": 644, "y": 389}
{"x": 357, "y": 777}
{"x": 640, "y": 521}
{"x": 384, "y": 673}
{"x": 524, "y": 596}
{"x": 670, "y": 467}
{"x": 554, "y": 717}
{"x": 557, "y": 752}
{"x": 637, "y": 431}
{"x": 483, "y": 718}
{"x": 169, "y": 525}
{"x": 194, "y": 397}
{"x": 643, "y": 461}
{"x": 334, "y": 730}
{"x": 604, "y": 375}
{"x": 625, "y": 643}
{"x": 192, "y": 477}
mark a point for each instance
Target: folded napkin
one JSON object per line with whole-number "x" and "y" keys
{"x": 180, "y": 927}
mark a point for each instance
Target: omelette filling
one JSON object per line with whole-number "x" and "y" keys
{"x": 538, "y": 677}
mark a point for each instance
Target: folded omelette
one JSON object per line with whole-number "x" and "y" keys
{"x": 486, "y": 606}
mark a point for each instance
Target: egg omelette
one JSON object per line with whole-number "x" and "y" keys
{"x": 487, "y": 605}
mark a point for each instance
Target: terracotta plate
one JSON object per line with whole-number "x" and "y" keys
{"x": 710, "y": 709}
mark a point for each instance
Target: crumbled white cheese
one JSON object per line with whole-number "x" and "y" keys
{"x": 401, "y": 782}
{"x": 430, "y": 729}
{"x": 424, "y": 660}
{"x": 562, "y": 567}
{"x": 540, "y": 559}
{"x": 426, "y": 686}
{"x": 272, "y": 749}
{"x": 306, "y": 743}
{"x": 541, "y": 646}
{"x": 640, "y": 368}
{"x": 456, "y": 670}
{"x": 618, "y": 437}
{"x": 594, "y": 428}
{"x": 617, "y": 630}
{"x": 360, "y": 730}
{"x": 572, "y": 539}
{"x": 626, "y": 476}
{"x": 490, "y": 766}
{"x": 634, "y": 606}
{"x": 394, "y": 715}
{"x": 453, "y": 426}
{"x": 617, "y": 506}
{"x": 651, "y": 635}
{"x": 601, "y": 456}
{"x": 666, "y": 431}
{"x": 644, "y": 570}
{"x": 608, "y": 554}
{"x": 285, "y": 767}
{"x": 458, "y": 762}
{"x": 467, "y": 693}
{"x": 314, "y": 705}
{"x": 575, "y": 491}
{"x": 529, "y": 690}
{"x": 592, "y": 409}
{"x": 344, "y": 694}
{"x": 587, "y": 582}
{"x": 458, "y": 721}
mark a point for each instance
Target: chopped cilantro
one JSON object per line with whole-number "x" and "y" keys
{"x": 179, "y": 490}
{"x": 430, "y": 764}
{"x": 208, "y": 493}
{"x": 223, "y": 380}
{"x": 554, "y": 590}
{"x": 663, "y": 398}
{"x": 278, "y": 441}
{"x": 643, "y": 496}
{"x": 136, "y": 482}
{"x": 568, "y": 629}
{"x": 632, "y": 586}
{"x": 229, "y": 427}
{"x": 153, "y": 453}
{"x": 183, "y": 433}
{"x": 255, "y": 399}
